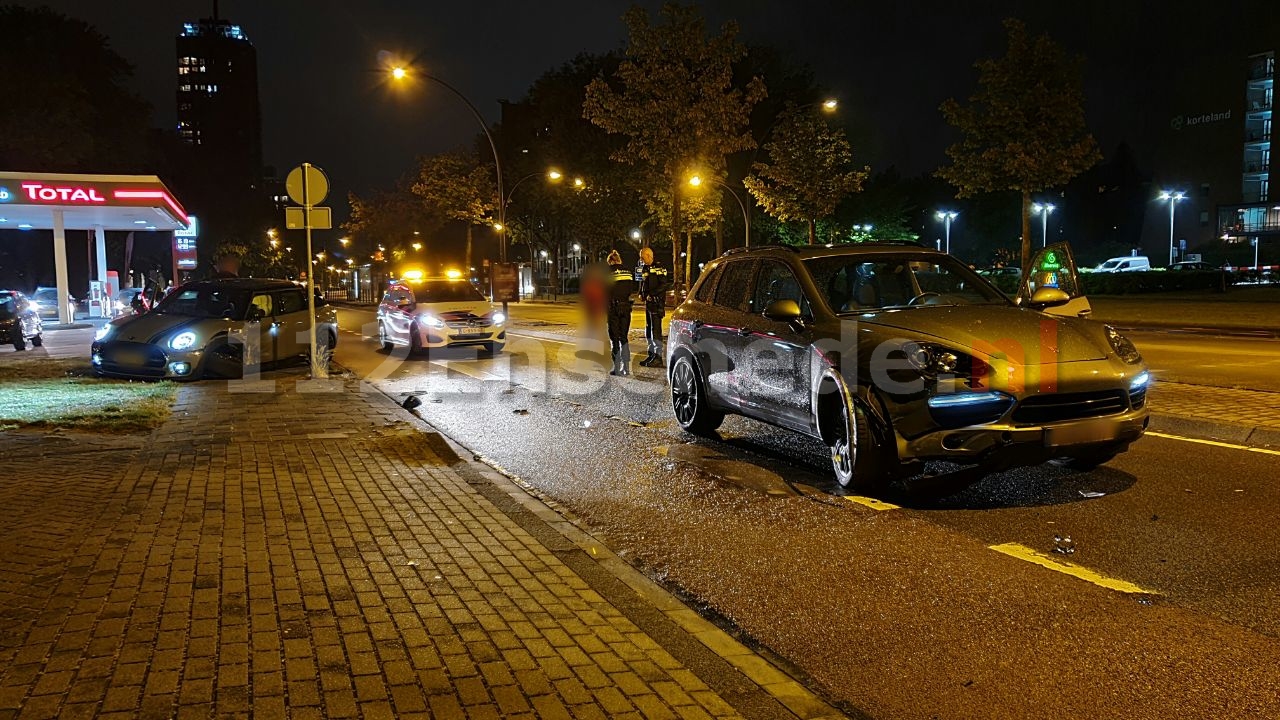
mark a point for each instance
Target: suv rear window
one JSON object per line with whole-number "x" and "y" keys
{"x": 707, "y": 286}
{"x": 735, "y": 285}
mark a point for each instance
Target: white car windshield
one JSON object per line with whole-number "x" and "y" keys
{"x": 438, "y": 291}
{"x": 1108, "y": 265}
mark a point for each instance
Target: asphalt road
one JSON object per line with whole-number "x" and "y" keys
{"x": 924, "y": 603}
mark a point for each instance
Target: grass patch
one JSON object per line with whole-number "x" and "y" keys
{"x": 64, "y": 393}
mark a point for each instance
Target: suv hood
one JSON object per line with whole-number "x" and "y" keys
{"x": 984, "y": 330}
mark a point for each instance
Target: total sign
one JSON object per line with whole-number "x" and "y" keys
{"x": 38, "y": 192}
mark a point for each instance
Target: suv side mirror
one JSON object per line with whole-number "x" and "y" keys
{"x": 787, "y": 311}
{"x": 256, "y": 314}
{"x": 1047, "y": 297}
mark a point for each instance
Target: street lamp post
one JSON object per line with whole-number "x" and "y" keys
{"x": 946, "y": 216}
{"x": 400, "y": 73}
{"x": 1173, "y": 198}
{"x": 1043, "y": 210}
{"x": 697, "y": 181}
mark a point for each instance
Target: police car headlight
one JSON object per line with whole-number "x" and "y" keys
{"x": 432, "y": 321}
{"x": 182, "y": 341}
{"x": 499, "y": 318}
{"x": 104, "y": 332}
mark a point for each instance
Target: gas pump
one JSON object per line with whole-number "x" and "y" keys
{"x": 98, "y": 299}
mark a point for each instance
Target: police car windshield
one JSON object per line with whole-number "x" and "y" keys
{"x": 438, "y": 291}
{"x": 8, "y": 307}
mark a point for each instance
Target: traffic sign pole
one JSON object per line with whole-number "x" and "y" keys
{"x": 316, "y": 369}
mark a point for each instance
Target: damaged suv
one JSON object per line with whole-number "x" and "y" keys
{"x": 894, "y": 355}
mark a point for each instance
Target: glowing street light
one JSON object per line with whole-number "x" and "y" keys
{"x": 830, "y": 104}
{"x": 417, "y": 246}
{"x": 579, "y": 183}
{"x": 344, "y": 241}
{"x": 1173, "y": 199}
{"x": 552, "y": 175}
{"x": 945, "y": 217}
{"x": 1043, "y": 210}
{"x": 399, "y": 73}
{"x": 636, "y": 234}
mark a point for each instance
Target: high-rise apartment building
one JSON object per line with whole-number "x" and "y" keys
{"x": 218, "y": 108}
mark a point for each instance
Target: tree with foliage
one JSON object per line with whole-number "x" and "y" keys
{"x": 810, "y": 170}
{"x": 389, "y": 218}
{"x": 67, "y": 103}
{"x": 675, "y": 100}
{"x": 1024, "y": 129}
{"x": 597, "y": 215}
{"x": 456, "y": 186}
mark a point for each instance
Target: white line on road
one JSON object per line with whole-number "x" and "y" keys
{"x": 1214, "y": 443}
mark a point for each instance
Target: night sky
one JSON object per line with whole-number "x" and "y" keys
{"x": 891, "y": 63}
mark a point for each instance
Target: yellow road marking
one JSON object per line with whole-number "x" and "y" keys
{"x": 871, "y": 502}
{"x": 1022, "y": 552}
{"x": 1215, "y": 443}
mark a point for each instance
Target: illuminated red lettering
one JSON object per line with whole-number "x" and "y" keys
{"x": 41, "y": 193}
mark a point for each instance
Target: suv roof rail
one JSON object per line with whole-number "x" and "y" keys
{"x": 759, "y": 248}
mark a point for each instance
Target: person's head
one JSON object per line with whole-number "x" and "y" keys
{"x": 228, "y": 263}
{"x": 646, "y": 255}
{"x": 615, "y": 258}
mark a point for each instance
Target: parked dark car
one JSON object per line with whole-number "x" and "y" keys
{"x": 46, "y": 301}
{"x": 20, "y": 323}
{"x": 1192, "y": 266}
{"x": 896, "y": 355}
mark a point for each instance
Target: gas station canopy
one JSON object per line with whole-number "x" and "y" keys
{"x": 58, "y": 202}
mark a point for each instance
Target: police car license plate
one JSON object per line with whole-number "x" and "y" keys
{"x": 1080, "y": 433}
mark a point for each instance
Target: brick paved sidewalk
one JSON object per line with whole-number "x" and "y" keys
{"x": 1252, "y": 408}
{"x": 315, "y": 555}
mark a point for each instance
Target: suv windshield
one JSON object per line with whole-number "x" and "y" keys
{"x": 860, "y": 283}
{"x": 446, "y": 291}
{"x": 205, "y": 301}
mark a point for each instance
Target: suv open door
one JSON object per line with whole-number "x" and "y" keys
{"x": 1054, "y": 269}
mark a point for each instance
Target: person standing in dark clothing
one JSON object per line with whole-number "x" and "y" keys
{"x": 621, "y": 285}
{"x": 654, "y": 281}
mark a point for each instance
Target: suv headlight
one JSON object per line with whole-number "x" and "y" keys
{"x": 931, "y": 360}
{"x": 183, "y": 340}
{"x": 1123, "y": 347}
{"x": 104, "y": 332}
{"x": 499, "y": 318}
{"x": 432, "y": 321}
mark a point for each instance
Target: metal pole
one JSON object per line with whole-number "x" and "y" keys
{"x": 746, "y": 217}
{"x": 1172, "y": 203}
{"x": 311, "y": 267}
{"x": 497, "y": 166}
{"x": 1044, "y": 228}
{"x": 948, "y": 231}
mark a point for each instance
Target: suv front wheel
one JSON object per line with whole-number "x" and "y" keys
{"x": 857, "y": 461}
{"x": 689, "y": 399}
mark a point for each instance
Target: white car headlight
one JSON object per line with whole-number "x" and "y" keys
{"x": 183, "y": 340}
{"x": 34, "y": 305}
{"x": 104, "y": 332}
